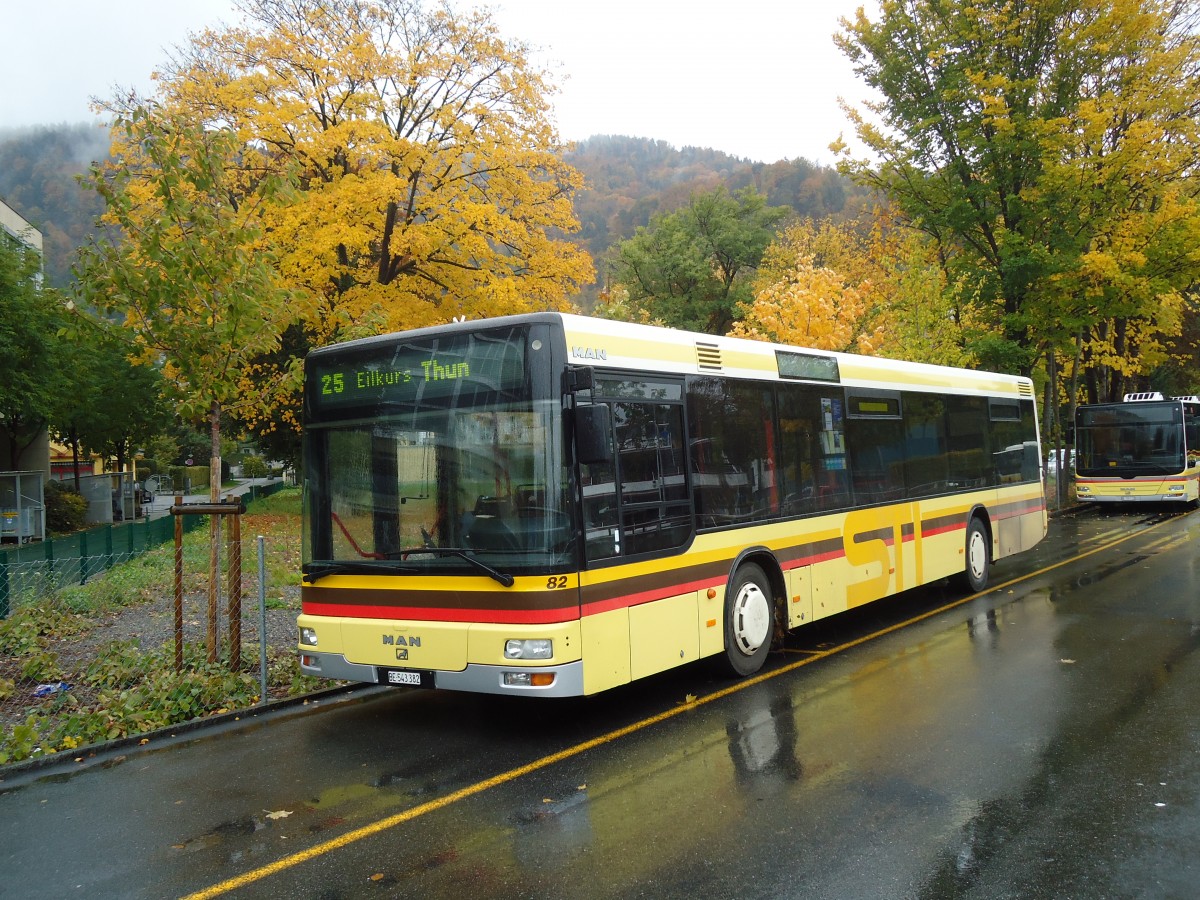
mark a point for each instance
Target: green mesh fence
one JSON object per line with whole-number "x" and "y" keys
{"x": 31, "y": 571}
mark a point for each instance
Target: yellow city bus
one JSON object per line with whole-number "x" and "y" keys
{"x": 1145, "y": 449}
{"x": 554, "y": 505}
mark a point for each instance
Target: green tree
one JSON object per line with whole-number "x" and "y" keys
{"x": 275, "y": 427}
{"x": 1047, "y": 148}
{"x": 191, "y": 276}
{"x": 117, "y": 405}
{"x": 692, "y": 268}
{"x": 34, "y": 376}
{"x": 70, "y": 422}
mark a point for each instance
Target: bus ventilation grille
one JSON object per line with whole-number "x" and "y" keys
{"x": 708, "y": 357}
{"x": 1025, "y": 390}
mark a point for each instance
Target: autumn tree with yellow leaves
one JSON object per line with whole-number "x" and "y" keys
{"x": 429, "y": 175}
{"x": 811, "y": 290}
{"x": 1048, "y": 150}
{"x": 865, "y": 286}
{"x": 430, "y": 172}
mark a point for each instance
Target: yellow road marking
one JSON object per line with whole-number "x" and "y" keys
{"x": 479, "y": 787}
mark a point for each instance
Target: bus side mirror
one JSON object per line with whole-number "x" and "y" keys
{"x": 593, "y": 434}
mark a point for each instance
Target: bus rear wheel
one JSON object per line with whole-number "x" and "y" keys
{"x": 975, "y": 573}
{"x": 749, "y": 620}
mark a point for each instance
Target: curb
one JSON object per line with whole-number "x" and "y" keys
{"x": 66, "y": 763}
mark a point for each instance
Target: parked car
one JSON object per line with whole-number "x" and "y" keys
{"x": 1062, "y": 456}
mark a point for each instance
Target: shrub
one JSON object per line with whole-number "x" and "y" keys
{"x": 65, "y": 508}
{"x": 254, "y": 467}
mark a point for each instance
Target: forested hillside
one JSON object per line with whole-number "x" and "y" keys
{"x": 39, "y": 169}
{"x": 628, "y": 181}
{"x": 631, "y": 179}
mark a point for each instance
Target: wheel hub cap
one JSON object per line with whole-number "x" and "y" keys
{"x": 751, "y": 619}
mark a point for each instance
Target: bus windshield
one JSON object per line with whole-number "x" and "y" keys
{"x": 1130, "y": 439}
{"x": 442, "y": 456}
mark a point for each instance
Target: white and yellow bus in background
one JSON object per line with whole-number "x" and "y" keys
{"x": 1145, "y": 449}
{"x": 555, "y": 505}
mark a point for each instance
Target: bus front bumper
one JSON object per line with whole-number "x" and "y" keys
{"x": 566, "y": 679}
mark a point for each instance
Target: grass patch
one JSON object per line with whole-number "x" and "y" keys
{"x": 119, "y": 688}
{"x": 127, "y": 691}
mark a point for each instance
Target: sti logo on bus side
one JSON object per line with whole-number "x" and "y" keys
{"x": 589, "y": 353}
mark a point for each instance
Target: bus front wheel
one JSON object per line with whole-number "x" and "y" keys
{"x": 749, "y": 620}
{"x": 975, "y": 574}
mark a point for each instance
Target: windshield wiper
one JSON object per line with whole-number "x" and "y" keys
{"x": 462, "y": 553}
{"x": 1163, "y": 469}
{"x": 316, "y": 571}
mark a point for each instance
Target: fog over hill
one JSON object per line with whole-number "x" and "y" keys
{"x": 628, "y": 180}
{"x": 39, "y": 178}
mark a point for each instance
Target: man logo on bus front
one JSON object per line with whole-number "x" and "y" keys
{"x": 401, "y": 640}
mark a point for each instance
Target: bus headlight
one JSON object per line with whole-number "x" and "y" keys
{"x": 528, "y": 679}
{"x": 535, "y": 648}
{"x": 308, "y": 637}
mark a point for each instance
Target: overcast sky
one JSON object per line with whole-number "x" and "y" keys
{"x": 759, "y": 79}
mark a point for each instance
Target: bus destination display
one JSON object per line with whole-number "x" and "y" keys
{"x": 410, "y": 372}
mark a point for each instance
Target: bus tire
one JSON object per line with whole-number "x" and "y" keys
{"x": 978, "y": 552}
{"x": 749, "y": 620}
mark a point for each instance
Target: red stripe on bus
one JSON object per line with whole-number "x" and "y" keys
{"x": 815, "y": 558}
{"x": 1140, "y": 479}
{"x": 426, "y": 614}
{"x": 620, "y": 601}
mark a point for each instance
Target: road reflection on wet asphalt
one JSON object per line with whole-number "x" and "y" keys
{"x": 1038, "y": 740}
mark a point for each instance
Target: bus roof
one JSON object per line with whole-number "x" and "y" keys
{"x": 1143, "y": 399}
{"x": 604, "y": 343}
{"x": 626, "y": 345}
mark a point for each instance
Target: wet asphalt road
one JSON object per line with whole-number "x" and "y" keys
{"x": 1039, "y": 740}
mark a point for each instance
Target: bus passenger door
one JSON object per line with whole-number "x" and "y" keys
{"x": 636, "y": 499}
{"x": 636, "y": 503}
{"x": 604, "y": 622}
{"x": 598, "y": 481}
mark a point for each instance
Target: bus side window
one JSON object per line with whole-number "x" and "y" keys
{"x": 731, "y": 448}
{"x": 812, "y": 459}
{"x": 967, "y": 445}
{"x": 926, "y": 471}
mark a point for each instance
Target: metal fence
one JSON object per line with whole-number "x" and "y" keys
{"x": 31, "y": 571}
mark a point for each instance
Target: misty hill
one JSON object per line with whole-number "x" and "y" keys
{"x": 628, "y": 181}
{"x": 39, "y": 171}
